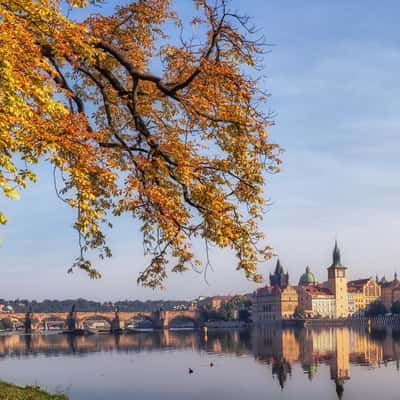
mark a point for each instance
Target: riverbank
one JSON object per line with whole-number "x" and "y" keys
{"x": 379, "y": 321}
{"x": 9, "y": 391}
{"x": 226, "y": 325}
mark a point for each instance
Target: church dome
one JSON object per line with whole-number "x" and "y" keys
{"x": 307, "y": 278}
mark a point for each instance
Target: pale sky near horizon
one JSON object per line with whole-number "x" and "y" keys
{"x": 333, "y": 78}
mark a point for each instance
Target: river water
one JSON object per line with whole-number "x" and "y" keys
{"x": 262, "y": 363}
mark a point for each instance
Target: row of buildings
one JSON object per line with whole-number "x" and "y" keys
{"x": 336, "y": 298}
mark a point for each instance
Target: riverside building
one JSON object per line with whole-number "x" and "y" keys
{"x": 277, "y": 301}
{"x": 361, "y": 293}
{"x": 336, "y": 298}
{"x": 390, "y": 292}
{"x": 328, "y": 300}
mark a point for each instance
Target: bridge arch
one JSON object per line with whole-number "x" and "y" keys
{"x": 7, "y": 322}
{"x": 19, "y": 323}
{"x": 48, "y": 322}
{"x": 82, "y": 322}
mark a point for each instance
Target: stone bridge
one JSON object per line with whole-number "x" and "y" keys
{"x": 117, "y": 320}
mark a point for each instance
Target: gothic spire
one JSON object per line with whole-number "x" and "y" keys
{"x": 279, "y": 278}
{"x": 278, "y": 268}
{"x": 336, "y": 259}
{"x": 336, "y": 254}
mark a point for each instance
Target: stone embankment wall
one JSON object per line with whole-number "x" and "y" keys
{"x": 373, "y": 322}
{"x": 377, "y": 322}
{"x": 225, "y": 324}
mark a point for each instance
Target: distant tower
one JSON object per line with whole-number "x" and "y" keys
{"x": 337, "y": 284}
{"x": 279, "y": 278}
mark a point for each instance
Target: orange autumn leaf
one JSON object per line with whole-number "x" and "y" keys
{"x": 184, "y": 151}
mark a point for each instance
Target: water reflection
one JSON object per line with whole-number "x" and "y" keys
{"x": 279, "y": 350}
{"x": 61, "y": 344}
{"x": 336, "y": 347}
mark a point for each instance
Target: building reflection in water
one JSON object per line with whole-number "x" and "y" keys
{"x": 336, "y": 347}
{"x": 280, "y": 349}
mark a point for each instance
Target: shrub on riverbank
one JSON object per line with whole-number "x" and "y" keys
{"x": 13, "y": 392}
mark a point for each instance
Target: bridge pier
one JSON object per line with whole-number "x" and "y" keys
{"x": 72, "y": 323}
{"x": 28, "y": 322}
{"x": 116, "y": 323}
{"x": 158, "y": 318}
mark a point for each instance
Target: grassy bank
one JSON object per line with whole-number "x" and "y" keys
{"x": 13, "y": 392}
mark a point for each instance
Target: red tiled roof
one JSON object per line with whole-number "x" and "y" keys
{"x": 357, "y": 285}
{"x": 318, "y": 290}
{"x": 219, "y": 297}
{"x": 393, "y": 284}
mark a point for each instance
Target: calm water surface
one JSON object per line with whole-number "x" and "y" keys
{"x": 264, "y": 363}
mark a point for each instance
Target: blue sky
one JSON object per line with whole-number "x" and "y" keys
{"x": 333, "y": 77}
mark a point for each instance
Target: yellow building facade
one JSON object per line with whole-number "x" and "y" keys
{"x": 362, "y": 293}
{"x": 274, "y": 304}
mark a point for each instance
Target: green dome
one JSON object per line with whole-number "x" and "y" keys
{"x": 307, "y": 278}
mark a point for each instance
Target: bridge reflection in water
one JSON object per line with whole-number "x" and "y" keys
{"x": 338, "y": 348}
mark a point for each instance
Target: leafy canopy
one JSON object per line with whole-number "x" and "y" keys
{"x": 375, "y": 308}
{"x": 167, "y": 129}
